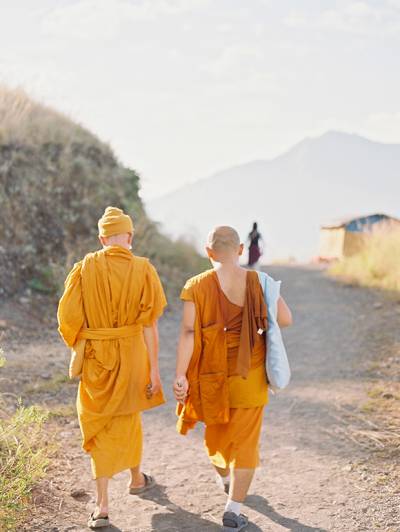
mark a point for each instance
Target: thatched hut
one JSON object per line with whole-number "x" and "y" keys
{"x": 346, "y": 237}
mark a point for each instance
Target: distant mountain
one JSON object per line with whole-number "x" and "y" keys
{"x": 331, "y": 176}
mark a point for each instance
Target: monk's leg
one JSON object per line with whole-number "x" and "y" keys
{"x": 241, "y": 480}
{"x": 222, "y": 472}
{"x": 137, "y": 478}
{"x": 102, "y": 497}
{"x": 240, "y": 484}
{"x": 223, "y": 477}
{"x": 246, "y": 427}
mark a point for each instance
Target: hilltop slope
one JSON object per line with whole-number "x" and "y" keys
{"x": 55, "y": 180}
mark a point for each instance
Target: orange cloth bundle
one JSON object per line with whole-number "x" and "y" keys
{"x": 114, "y": 222}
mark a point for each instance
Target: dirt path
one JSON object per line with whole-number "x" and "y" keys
{"x": 313, "y": 476}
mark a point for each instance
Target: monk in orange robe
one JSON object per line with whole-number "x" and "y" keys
{"x": 220, "y": 374}
{"x": 113, "y": 300}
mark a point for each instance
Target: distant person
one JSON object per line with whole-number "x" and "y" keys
{"x": 220, "y": 371}
{"x": 254, "y": 246}
{"x": 113, "y": 299}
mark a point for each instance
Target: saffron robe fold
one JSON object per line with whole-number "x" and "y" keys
{"x": 234, "y": 440}
{"x": 236, "y": 443}
{"x": 209, "y": 372}
{"x": 118, "y": 294}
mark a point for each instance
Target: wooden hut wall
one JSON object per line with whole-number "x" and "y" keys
{"x": 331, "y": 243}
{"x": 354, "y": 242}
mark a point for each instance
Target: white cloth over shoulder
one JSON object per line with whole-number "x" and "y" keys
{"x": 278, "y": 369}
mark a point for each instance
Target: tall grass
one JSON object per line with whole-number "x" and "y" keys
{"x": 25, "y": 121}
{"x": 377, "y": 264}
{"x": 2, "y": 358}
{"x": 23, "y": 460}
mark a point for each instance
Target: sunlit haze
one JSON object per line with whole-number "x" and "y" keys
{"x": 184, "y": 88}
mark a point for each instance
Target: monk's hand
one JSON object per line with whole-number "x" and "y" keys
{"x": 181, "y": 387}
{"x": 155, "y": 383}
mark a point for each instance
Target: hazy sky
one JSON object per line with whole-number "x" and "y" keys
{"x": 183, "y": 88}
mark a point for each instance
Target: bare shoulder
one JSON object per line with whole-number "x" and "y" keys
{"x": 199, "y": 279}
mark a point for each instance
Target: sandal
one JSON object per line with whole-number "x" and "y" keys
{"x": 149, "y": 483}
{"x": 98, "y": 522}
{"x": 233, "y": 523}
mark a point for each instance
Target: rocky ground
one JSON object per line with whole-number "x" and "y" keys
{"x": 330, "y": 442}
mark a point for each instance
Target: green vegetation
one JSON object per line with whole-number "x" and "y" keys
{"x": 2, "y": 358}
{"x": 23, "y": 460}
{"x": 56, "y": 178}
{"x": 377, "y": 264}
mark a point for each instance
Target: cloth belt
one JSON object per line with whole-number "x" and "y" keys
{"x": 110, "y": 333}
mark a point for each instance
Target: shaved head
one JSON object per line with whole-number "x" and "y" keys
{"x": 223, "y": 238}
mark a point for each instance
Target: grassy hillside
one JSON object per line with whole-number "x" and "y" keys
{"x": 377, "y": 264}
{"x": 55, "y": 180}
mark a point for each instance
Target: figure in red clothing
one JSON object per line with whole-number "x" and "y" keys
{"x": 254, "y": 248}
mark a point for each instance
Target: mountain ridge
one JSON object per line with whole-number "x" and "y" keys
{"x": 300, "y": 143}
{"x": 333, "y": 175}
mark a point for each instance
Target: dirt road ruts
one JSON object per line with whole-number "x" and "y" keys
{"x": 312, "y": 477}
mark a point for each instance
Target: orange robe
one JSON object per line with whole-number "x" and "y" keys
{"x": 236, "y": 441}
{"x": 116, "y": 294}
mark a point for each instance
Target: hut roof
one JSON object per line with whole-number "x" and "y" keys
{"x": 344, "y": 222}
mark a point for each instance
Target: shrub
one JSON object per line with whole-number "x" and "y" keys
{"x": 56, "y": 178}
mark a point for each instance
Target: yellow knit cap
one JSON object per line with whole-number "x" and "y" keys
{"x": 115, "y": 222}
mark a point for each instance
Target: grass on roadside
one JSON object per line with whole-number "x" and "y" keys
{"x": 55, "y": 383}
{"x": 23, "y": 460}
{"x": 24, "y": 450}
{"x": 377, "y": 264}
{"x": 63, "y": 412}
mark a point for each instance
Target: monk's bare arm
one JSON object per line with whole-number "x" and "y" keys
{"x": 185, "y": 350}
{"x": 284, "y": 314}
{"x": 151, "y": 340}
{"x": 186, "y": 338}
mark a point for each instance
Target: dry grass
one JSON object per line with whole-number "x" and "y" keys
{"x": 23, "y": 459}
{"x": 25, "y": 121}
{"x": 377, "y": 424}
{"x": 2, "y": 358}
{"x": 377, "y": 265}
{"x": 54, "y": 384}
{"x": 63, "y": 412}
{"x": 24, "y": 451}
